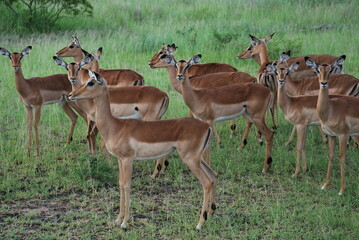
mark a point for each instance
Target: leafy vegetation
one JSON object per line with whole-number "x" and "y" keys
{"x": 64, "y": 193}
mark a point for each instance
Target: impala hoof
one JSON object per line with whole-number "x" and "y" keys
{"x": 123, "y": 225}
{"x": 198, "y": 227}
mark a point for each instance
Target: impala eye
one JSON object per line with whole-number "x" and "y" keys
{"x": 90, "y": 83}
{"x": 71, "y": 46}
{"x": 160, "y": 52}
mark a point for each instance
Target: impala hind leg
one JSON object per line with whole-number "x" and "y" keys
{"x": 160, "y": 166}
{"x": 194, "y": 164}
{"x": 233, "y": 127}
{"x": 268, "y": 134}
{"x": 73, "y": 117}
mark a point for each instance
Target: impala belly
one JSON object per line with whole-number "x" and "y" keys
{"x": 227, "y": 112}
{"x": 50, "y": 97}
{"x": 121, "y": 110}
{"x": 149, "y": 151}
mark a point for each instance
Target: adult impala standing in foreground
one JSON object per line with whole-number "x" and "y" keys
{"x": 151, "y": 102}
{"x": 339, "y": 117}
{"x": 224, "y": 103}
{"x": 131, "y": 139}
{"x": 38, "y": 91}
{"x": 119, "y": 77}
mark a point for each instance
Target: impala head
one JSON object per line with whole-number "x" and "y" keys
{"x": 182, "y": 66}
{"x": 255, "y": 48}
{"x": 71, "y": 50}
{"x": 324, "y": 70}
{"x": 158, "y": 62}
{"x": 94, "y": 87}
{"x": 73, "y": 68}
{"x": 15, "y": 57}
{"x": 92, "y": 65}
{"x": 281, "y": 72}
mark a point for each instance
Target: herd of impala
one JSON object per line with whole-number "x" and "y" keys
{"x": 310, "y": 90}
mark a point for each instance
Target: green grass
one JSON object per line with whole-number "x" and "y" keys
{"x": 64, "y": 193}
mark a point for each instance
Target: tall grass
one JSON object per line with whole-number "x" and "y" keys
{"x": 251, "y": 205}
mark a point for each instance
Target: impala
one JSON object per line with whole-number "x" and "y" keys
{"x": 339, "y": 117}
{"x": 340, "y": 84}
{"x": 208, "y": 81}
{"x": 258, "y": 51}
{"x": 228, "y": 102}
{"x": 119, "y": 77}
{"x": 38, "y": 91}
{"x": 151, "y": 102}
{"x": 197, "y": 69}
{"x": 298, "y": 110}
{"x": 131, "y": 139}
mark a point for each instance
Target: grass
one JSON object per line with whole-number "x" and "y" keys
{"x": 64, "y": 193}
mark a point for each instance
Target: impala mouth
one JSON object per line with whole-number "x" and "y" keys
{"x": 324, "y": 84}
{"x": 281, "y": 83}
{"x": 180, "y": 78}
{"x": 16, "y": 68}
{"x": 73, "y": 80}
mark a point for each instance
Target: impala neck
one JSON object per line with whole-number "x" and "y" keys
{"x": 262, "y": 56}
{"x": 172, "y": 74}
{"x": 323, "y": 103}
{"x": 291, "y": 86}
{"x": 105, "y": 121}
{"x": 78, "y": 58}
{"x": 284, "y": 101}
{"x": 20, "y": 82}
{"x": 257, "y": 58}
{"x": 189, "y": 95}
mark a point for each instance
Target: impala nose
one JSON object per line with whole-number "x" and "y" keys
{"x": 180, "y": 77}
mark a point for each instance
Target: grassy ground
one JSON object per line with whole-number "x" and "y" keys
{"x": 64, "y": 193}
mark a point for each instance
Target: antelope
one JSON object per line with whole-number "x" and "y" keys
{"x": 118, "y": 77}
{"x": 197, "y": 69}
{"x": 339, "y": 117}
{"x": 298, "y": 110}
{"x": 38, "y": 91}
{"x": 258, "y": 51}
{"x": 151, "y": 102}
{"x": 343, "y": 84}
{"x": 208, "y": 81}
{"x": 228, "y": 102}
{"x": 132, "y": 139}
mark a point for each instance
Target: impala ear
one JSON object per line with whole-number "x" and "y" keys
{"x": 284, "y": 57}
{"x": 87, "y": 59}
{"x": 99, "y": 53}
{"x": 5, "y": 52}
{"x": 26, "y": 51}
{"x": 85, "y": 52}
{"x": 311, "y": 63}
{"x": 169, "y": 59}
{"x": 76, "y": 41}
{"x": 255, "y": 40}
{"x": 195, "y": 59}
{"x": 92, "y": 75}
{"x": 60, "y": 62}
{"x": 270, "y": 68}
{"x": 267, "y": 39}
{"x": 99, "y": 79}
{"x": 293, "y": 67}
{"x": 339, "y": 61}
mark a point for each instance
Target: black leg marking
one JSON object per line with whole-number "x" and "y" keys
{"x": 205, "y": 215}
{"x": 167, "y": 163}
{"x": 71, "y": 139}
{"x": 269, "y": 160}
{"x": 261, "y": 143}
{"x": 213, "y": 206}
{"x": 245, "y": 142}
{"x": 233, "y": 127}
{"x": 159, "y": 167}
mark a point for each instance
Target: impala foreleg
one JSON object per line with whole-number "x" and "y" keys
{"x": 127, "y": 167}
{"x": 300, "y": 149}
{"x": 291, "y": 137}
{"x": 331, "y": 149}
{"x": 343, "y": 139}
{"x": 233, "y": 127}
{"x": 36, "y": 126}
{"x": 29, "y": 129}
{"x": 73, "y": 117}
